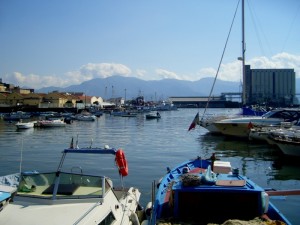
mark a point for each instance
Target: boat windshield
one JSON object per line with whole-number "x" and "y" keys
{"x": 286, "y": 115}
{"x": 269, "y": 114}
{"x": 69, "y": 185}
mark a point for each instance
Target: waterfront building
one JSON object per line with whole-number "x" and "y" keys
{"x": 270, "y": 86}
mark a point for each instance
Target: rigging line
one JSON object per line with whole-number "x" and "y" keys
{"x": 290, "y": 29}
{"x": 21, "y": 156}
{"x": 257, "y": 28}
{"x": 209, "y": 97}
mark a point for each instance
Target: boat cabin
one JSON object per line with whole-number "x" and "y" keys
{"x": 62, "y": 186}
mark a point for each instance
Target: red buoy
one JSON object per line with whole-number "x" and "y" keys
{"x": 121, "y": 162}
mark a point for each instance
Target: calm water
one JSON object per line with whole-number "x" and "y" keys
{"x": 150, "y": 146}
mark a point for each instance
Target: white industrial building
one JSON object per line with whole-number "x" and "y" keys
{"x": 276, "y": 86}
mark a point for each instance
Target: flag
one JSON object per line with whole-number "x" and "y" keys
{"x": 250, "y": 125}
{"x": 195, "y": 121}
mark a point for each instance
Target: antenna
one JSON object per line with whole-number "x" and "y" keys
{"x": 21, "y": 157}
{"x": 77, "y": 142}
{"x": 91, "y": 143}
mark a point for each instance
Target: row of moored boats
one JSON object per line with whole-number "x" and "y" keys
{"x": 278, "y": 127}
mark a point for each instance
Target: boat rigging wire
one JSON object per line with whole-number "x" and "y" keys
{"x": 291, "y": 26}
{"x": 209, "y": 97}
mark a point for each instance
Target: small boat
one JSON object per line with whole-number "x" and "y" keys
{"x": 153, "y": 115}
{"x": 69, "y": 197}
{"x": 129, "y": 114}
{"x": 16, "y": 116}
{"x": 51, "y": 123}
{"x": 85, "y": 116}
{"x": 117, "y": 113}
{"x": 205, "y": 191}
{"x": 25, "y": 125}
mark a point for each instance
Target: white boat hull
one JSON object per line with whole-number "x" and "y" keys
{"x": 25, "y": 125}
{"x": 51, "y": 123}
{"x": 208, "y": 124}
{"x": 90, "y": 212}
{"x": 289, "y": 148}
{"x": 241, "y": 127}
{"x": 66, "y": 198}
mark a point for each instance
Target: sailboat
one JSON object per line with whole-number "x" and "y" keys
{"x": 208, "y": 122}
{"x": 212, "y": 123}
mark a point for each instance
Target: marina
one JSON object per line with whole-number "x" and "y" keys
{"x": 151, "y": 146}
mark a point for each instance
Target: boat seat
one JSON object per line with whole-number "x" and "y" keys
{"x": 63, "y": 189}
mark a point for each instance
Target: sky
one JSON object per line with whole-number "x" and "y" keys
{"x": 64, "y": 42}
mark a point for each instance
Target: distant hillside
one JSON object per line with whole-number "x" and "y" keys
{"x": 152, "y": 90}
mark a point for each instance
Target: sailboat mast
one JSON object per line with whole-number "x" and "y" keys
{"x": 243, "y": 53}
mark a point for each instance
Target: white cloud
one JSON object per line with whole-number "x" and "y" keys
{"x": 33, "y": 81}
{"x": 86, "y": 72}
{"x": 165, "y": 74}
{"x": 278, "y": 61}
{"x": 233, "y": 71}
{"x": 103, "y": 70}
{"x": 230, "y": 71}
{"x": 140, "y": 73}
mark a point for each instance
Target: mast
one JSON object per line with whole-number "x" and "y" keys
{"x": 243, "y": 53}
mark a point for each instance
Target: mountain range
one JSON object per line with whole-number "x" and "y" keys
{"x": 131, "y": 87}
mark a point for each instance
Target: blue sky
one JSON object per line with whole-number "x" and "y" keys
{"x": 64, "y": 42}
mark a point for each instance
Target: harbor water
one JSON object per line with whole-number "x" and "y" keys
{"x": 150, "y": 147}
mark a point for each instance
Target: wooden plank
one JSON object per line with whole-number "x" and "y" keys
{"x": 234, "y": 183}
{"x": 283, "y": 192}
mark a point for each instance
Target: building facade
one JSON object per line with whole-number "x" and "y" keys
{"x": 270, "y": 86}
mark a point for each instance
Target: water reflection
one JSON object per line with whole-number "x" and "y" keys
{"x": 286, "y": 169}
{"x": 248, "y": 155}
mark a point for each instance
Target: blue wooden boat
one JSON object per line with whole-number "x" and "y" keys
{"x": 202, "y": 191}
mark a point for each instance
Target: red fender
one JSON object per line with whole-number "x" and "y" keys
{"x": 121, "y": 162}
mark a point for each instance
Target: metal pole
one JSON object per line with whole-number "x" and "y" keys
{"x": 243, "y": 53}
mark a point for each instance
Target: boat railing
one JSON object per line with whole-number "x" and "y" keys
{"x": 61, "y": 185}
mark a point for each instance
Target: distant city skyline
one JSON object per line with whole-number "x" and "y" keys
{"x": 60, "y": 43}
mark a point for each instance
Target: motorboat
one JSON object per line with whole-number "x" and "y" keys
{"x": 287, "y": 140}
{"x": 289, "y": 146}
{"x": 51, "y": 123}
{"x": 240, "y": 126}
{"x": 85, "y": 116}
{"x": 153, "y": 115}
{"x": 64, "y": 197}
{"x": 261, "y": 133}
{"x": 25, "y": 125}
{"x": 81, "y": 117}
{"x": 208, "y": 191}
{"x": 208, "y": 123}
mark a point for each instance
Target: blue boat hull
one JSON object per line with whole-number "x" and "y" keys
{"x": 199, "y": 192}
